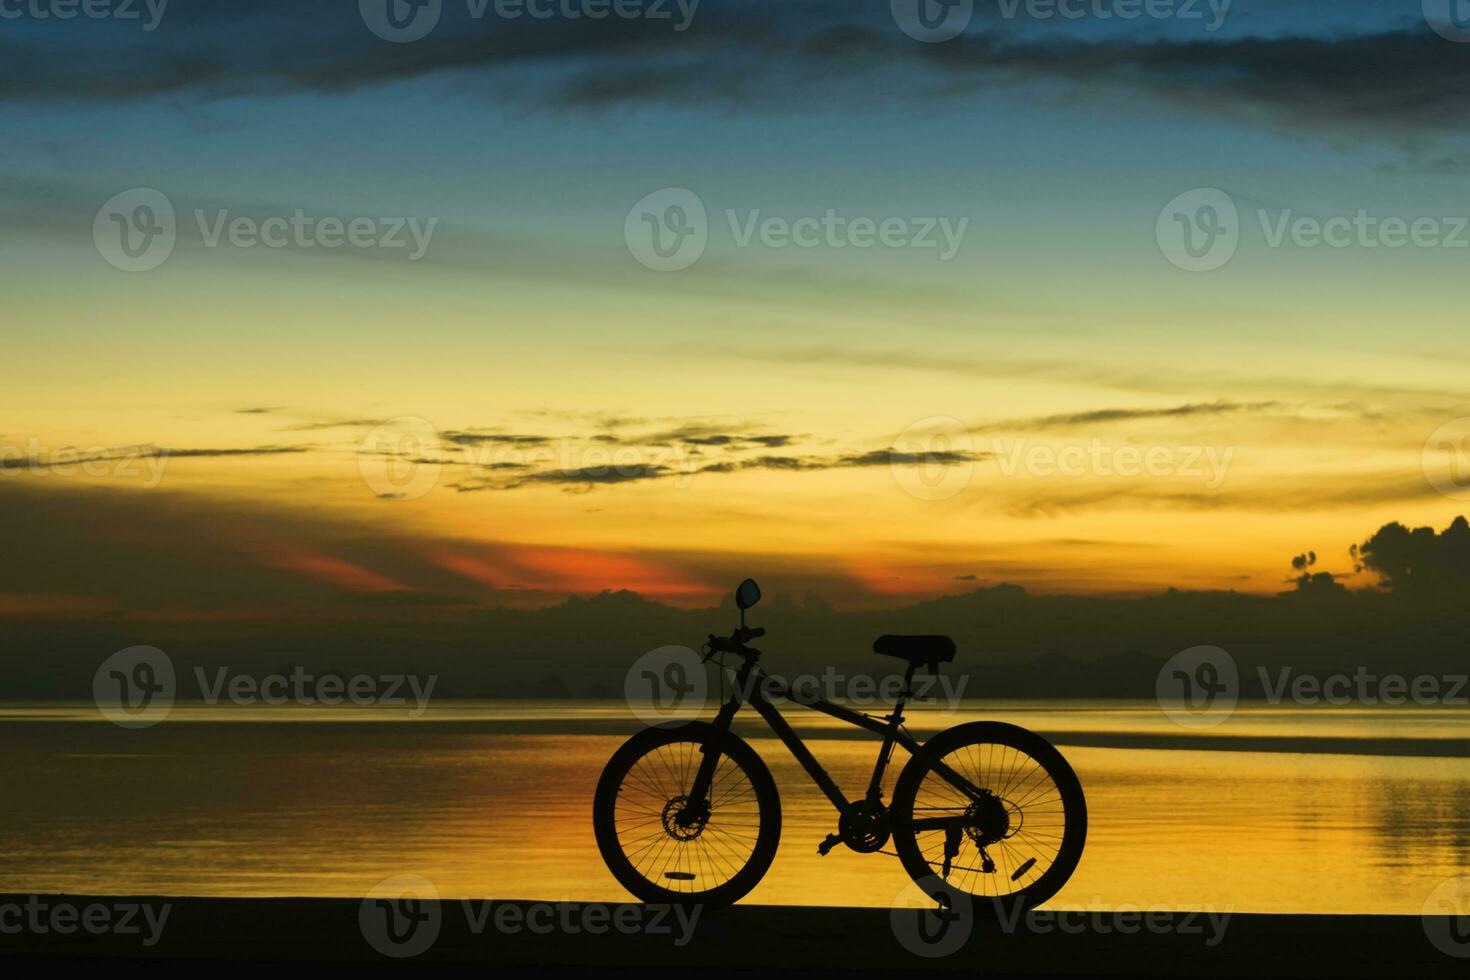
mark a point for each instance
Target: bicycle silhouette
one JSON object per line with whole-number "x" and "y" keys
{"x": 689, "y": 812}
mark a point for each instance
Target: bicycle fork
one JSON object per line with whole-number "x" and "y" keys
{"x": 698, "y": 806}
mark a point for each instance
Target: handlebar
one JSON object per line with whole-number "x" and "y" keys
{"x": 735, "y": 642}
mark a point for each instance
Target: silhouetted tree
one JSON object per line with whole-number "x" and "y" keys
{"x": 1418, "y": 562}
{"x": 1320, "y": 583}
{"x": 1314, "y": 583}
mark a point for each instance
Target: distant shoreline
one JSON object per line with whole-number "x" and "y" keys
{"x": 37, "y": 723}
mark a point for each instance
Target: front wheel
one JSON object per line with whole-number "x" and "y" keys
{"x": 1010, "y": 830}
{"x": 664, "y": 847}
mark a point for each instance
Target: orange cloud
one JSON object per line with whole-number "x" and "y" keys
{"x": 336, "y": 571}
{"x": 573, "y": 570}
{"x": 887, "y": 579}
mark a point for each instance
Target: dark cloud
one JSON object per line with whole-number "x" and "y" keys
{"x": 223, "y": 582}
{"x": 712, "y": 440}
{"x": 1075, "y": 419}
{"x": 1391, "y": 83}
{"x": 759, "y": 57}
{"x": 210, "y": 51}
{"x": 707, "y": 434}
{"x": 1403, "y": 79}
{"x": 735, "y": 441}
{"x": 857, "y": 460}
{"x": 254, "y": 451}
{"x": 161, "y": 548}
{"x": 474, "y": 438}
{"x": 597, "y": 475}
{"x": 322, "y": 424}
{"x": 590, "y": 476}
{"x": 65, "y": 458}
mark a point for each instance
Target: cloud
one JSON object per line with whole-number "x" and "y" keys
{"x": 164, "y": 553}
{"x": 1390, "y": 83}
{"x": 612, "y": 474}
{"x": 1399, "y": 80}
{"x": 336, "y": 571}
{"x": 253, "y": 451}
{"x": 477, "y": 438}
{"x": 1076, "y": 419}
{"x": 699, "y": 432}
{"x": 1315, "y": 492}
{"x": 65, "y": 458}
{"x": 323, "y": 424}
{"x": 596, "y": 475}
{"x": 853, "y": 460}
{"x": 717, "y": 436}
{"x": 209, "y": 51}
{"x": 1418, "y": 400}
{"x": 761, "y": 57}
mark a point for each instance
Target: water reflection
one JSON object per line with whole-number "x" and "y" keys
{"x": 321, "y": 808}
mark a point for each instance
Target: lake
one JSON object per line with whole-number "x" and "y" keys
{"x": 1277, "y": 810}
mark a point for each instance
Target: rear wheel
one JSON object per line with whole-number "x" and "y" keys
{"x": 1017, "y": 840}
{"x": 664, "y": 847}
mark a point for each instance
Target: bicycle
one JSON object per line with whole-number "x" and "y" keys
{"x": 689, "y": 812}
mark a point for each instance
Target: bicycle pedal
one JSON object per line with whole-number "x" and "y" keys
{"x": 824, "y": 848}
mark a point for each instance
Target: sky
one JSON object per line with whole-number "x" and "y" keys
{"x": 921, "y": 315}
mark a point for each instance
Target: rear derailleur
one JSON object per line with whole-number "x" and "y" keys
{"x": 952, "y": 837}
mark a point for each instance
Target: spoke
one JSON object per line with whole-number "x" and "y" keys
{"x": 713, "y": 853}
{"x": 1033, "y": 802}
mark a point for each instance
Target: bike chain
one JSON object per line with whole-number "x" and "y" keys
{"x": 952, "y": 867}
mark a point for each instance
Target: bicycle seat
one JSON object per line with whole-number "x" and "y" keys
{"x": 916, "y": 649}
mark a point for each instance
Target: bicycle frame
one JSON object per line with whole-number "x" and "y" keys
{"x": 887, "y": 727}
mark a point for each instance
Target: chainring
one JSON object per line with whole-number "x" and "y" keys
{"x": 862, "y": 828}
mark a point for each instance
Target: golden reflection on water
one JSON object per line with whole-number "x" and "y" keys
{"x": 325, "y": 809}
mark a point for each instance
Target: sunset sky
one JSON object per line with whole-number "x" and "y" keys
{"x": 761, "y": 407}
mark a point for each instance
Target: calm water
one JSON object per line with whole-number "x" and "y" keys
{"x": 493, "y": 800}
